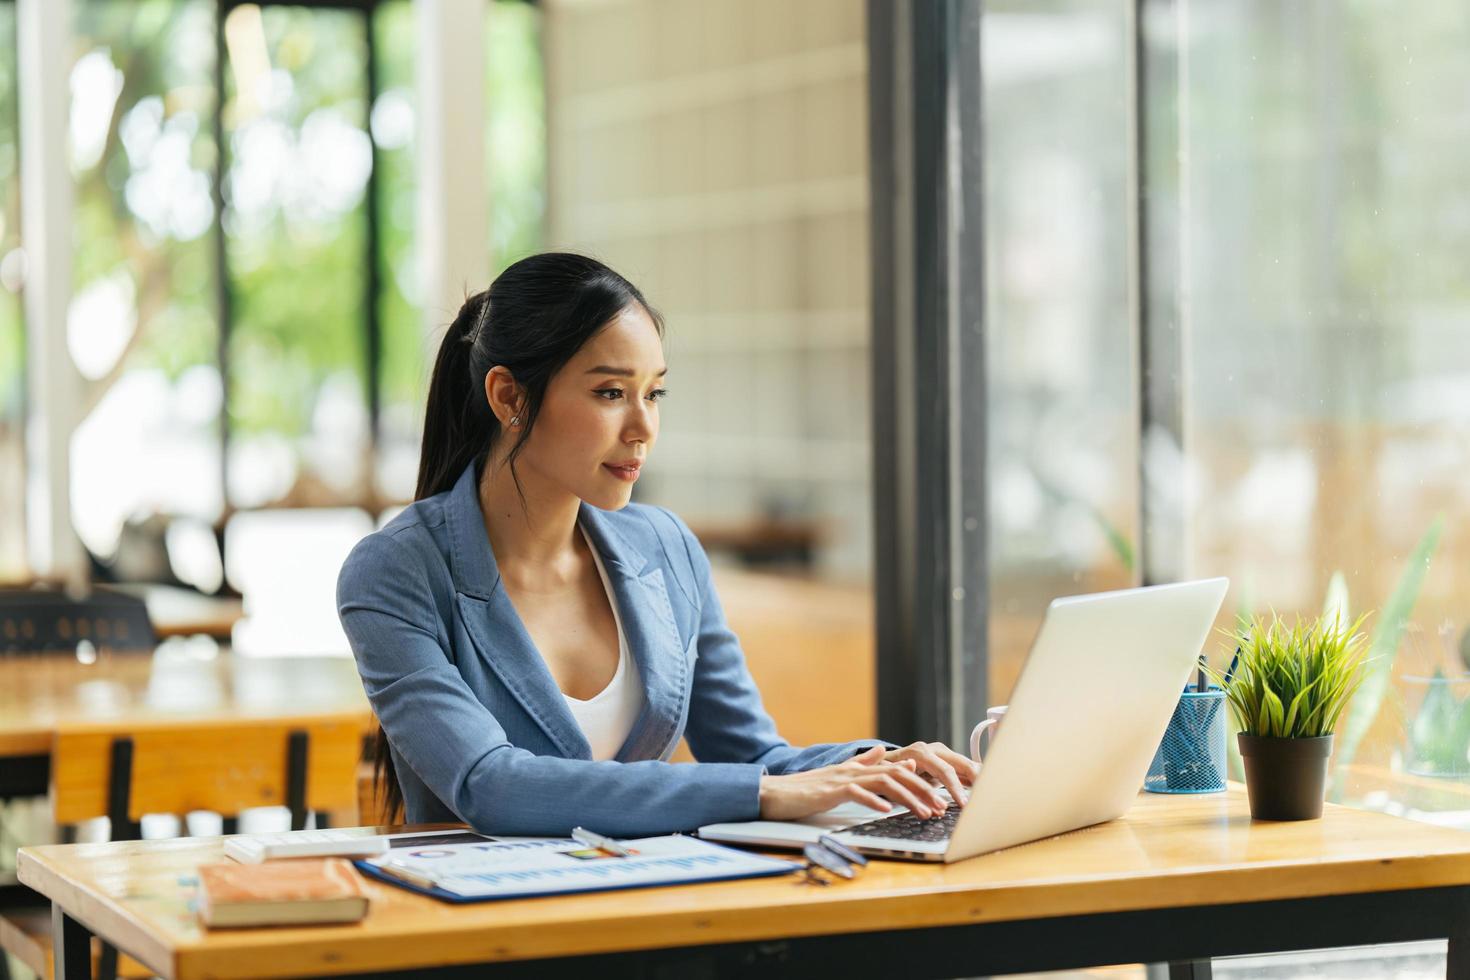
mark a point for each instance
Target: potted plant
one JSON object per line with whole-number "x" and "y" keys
{"x": 1287, "y": 689}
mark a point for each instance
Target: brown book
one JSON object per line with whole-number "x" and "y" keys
{"x": 309, "y": 890}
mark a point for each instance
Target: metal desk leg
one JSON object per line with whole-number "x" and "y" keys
{"x": 107, "y": 963}
{"x": 1191, "y": 970}
{"x": 1457, "y": 959}
{"x": 72, "y": 946}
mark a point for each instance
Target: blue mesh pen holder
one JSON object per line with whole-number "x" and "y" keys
{"x": 1191, "y": 758}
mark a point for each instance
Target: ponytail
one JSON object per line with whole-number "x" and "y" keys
{"x": 458, "y": 423}
{"x": 534, "y": 317}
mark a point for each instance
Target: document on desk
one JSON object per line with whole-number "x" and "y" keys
{"x": 527, "y": 867}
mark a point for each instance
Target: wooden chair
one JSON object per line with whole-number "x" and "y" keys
{"x": 179, "y": 766}
{"x": 46, "y": 620}
{"x": 372, "y": 809}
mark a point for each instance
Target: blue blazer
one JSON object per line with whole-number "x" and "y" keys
{"x": 478, "y": 728}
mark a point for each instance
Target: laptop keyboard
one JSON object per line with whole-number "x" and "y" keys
{"x": 909, "y": 826}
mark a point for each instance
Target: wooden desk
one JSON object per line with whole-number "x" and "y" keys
{"x": 42, "y": 695}
{"x": 1177, "y": 879}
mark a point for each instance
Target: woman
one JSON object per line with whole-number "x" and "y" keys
{"x": 535, "y": 646}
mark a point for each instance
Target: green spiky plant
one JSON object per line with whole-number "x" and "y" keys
{"x": 1294, "y": 680}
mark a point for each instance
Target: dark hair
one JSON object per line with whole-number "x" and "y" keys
{"x": 534, "y": 317}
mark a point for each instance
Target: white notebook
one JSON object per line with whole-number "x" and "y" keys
{"x": 255, "y": 848}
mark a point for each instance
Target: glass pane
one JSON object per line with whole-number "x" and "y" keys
{"x": 296, "y": 120}
{"x": 516, "y": 135}
{"x": 516, "y": 160}
{"x": 403, "y": 369}
{"x": 141, "y": 326}
{"x": 1061, "y": 377}
{"x": 1321, "y": 255}
{"x": 12, "y": 325}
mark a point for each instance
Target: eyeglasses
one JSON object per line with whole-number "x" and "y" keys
{"x": 832, "y": 855}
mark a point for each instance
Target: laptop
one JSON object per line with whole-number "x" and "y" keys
{"x": 1086, "y": 716}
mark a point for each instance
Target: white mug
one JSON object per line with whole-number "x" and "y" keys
{"x": 993, "y": 718}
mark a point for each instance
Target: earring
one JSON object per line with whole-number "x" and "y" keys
{"x": 515, "y": 420}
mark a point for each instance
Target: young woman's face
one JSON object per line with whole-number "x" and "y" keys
{"x": 599, "y": 419}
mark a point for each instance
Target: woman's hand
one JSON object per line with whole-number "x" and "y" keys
{"x": 869, "y": 779}
{"x": 941, "y": 763}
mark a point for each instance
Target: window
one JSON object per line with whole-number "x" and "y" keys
{"x": 299, "y": 159}
{"x": 12, "y": 326}
{"x": 1318, "y": 209}
{"x": 269, "y": 353}
{"x": 1304, "y": 242}
{"x": 328, "y": 351}
{"x": 1061, "y": 377}
{"x": 142, "y": 325}
{"x": 288, "y": 368}
{"x": 516, "y": 176}
{"x": 403, "y": 364}
{"x": 516, "y": 135}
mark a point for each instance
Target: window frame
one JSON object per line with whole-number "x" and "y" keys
{"x": 931, "y": 501}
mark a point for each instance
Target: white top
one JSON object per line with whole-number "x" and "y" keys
{"x": 608, "y": 717}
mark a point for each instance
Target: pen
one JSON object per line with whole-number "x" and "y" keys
{"x": 404, "y": 874}
{"x": 586, "y": 837}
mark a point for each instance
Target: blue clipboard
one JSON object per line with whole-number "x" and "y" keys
{"x": 376, "y": 873}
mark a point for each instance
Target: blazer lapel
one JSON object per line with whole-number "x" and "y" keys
{"x": 653, "y": 639}
{"x": 495, "y": 628}
{"x": 502, "y": 641}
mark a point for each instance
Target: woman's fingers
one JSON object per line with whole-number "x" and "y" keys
{"x": 874, "y": 756}
{"x": 909, "y": 778}
{"x": 930, "y": 802}
{"x": 925, "y": 791}
{"x": 968, "y": 768}
{"x": 868, "y": 798}
{"x": 888, "y": 784}
{"x": 965, "y": 770}
{"x": 933, "y": 763}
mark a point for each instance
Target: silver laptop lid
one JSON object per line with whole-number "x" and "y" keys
{"x": 1087, "y": 713}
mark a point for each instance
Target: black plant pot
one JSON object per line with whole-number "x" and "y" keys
{"x": 1286, "y": 778}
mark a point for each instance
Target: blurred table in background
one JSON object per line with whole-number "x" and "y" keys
{"x": 167, "y": 692}
{"x": 763, "y": 540}
{"x": 183, "y": 612}
{"x": 41, "y": 695}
